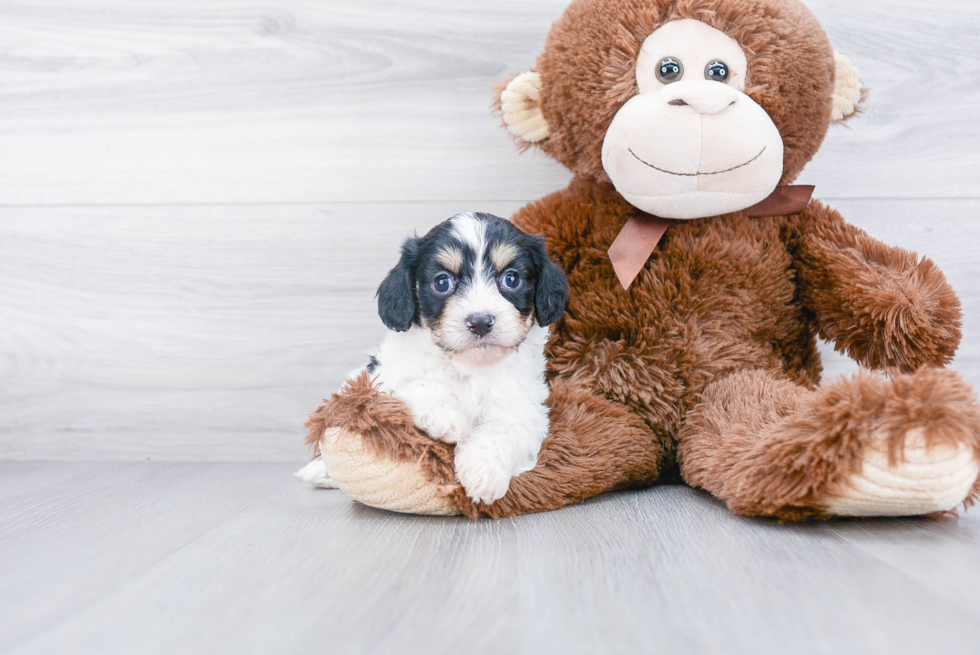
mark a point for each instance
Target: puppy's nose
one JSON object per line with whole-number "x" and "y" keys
{"x": 479, "y": 324}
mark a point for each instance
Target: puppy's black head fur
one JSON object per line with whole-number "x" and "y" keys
{"x": 546, "y": 289}
{"x": 411, "y": 293}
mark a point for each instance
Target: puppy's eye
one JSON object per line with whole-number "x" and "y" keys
{"x": 670, "y": 70}
{"x": 443, "y": 283}
{"x": 716, "y": 71}
{"x": 511, "y": 280}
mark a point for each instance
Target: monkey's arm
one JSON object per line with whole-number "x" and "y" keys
{"x": 883, "y": 306}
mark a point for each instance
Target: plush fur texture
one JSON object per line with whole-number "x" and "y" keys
{"x": 709, "y": 359}
{"x": 769, "y": 447}
{"x": 593, "y": 446}
{"x": 384, "y": 425}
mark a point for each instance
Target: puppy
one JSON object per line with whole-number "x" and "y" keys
{"x": 469, "y": 305}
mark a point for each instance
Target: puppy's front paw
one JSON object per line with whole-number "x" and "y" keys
{"x": 483, "y": 475}
{"x": 443, "y": 422}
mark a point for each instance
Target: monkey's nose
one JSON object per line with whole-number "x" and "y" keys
{"x": 707, "y": 98}
{"x": 479, "y": 324}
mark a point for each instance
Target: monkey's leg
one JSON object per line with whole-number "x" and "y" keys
{"x": 373, "y": 451}
{"x": 594, "y": 446}
{"x": 864, "y": 446}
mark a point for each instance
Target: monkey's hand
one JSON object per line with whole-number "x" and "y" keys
{"x": 883, "y": 306}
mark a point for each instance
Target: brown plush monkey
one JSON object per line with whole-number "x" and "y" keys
{"x": 699, "y": 282}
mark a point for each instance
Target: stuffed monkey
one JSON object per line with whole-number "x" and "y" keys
{"x": 700, "y": 279}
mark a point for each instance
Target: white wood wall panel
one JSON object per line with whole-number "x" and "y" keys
{"x": 116, "y": 101}
{"x": 210, "y": 332}
{"x": 198, "y": 198}
{"x": 187, "y": 332}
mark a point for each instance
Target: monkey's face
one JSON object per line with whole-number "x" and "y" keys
{"x": 691, "y": 143}
{"x": 690, "y": 108}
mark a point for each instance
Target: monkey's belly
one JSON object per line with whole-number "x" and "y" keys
{"x": 657, "y": 346}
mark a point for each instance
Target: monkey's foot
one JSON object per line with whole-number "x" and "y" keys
{"x": 921, "y": 479}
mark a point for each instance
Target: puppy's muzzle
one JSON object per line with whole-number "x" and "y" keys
{"x": 479, "y": 324}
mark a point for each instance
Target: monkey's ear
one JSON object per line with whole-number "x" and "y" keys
{"x": 847, "y": 90}
{"x": 520, "y": 103}
{"x": 396, "y": 295}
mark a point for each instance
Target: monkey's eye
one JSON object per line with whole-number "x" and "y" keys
{"x": 716, "y": 71}
{"x": 669, "y": 70}
{"x": 511, "y": 279}
{"x": 443, "y": 283}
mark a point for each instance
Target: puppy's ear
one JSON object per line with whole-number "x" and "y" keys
{"x": 551, "y": 293}
{"x": 396, "y": 295}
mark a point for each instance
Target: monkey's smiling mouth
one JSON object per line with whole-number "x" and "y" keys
{"x": 727, "y": 170}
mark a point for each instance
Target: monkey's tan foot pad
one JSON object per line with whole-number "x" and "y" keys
{"x": 920, "y": 480}
{"x": 398, "y": 486}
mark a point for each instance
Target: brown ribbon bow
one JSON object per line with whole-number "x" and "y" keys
{"x": 641, "y": 234}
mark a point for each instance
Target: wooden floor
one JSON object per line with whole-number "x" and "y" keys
{"x": 197, "y": 201}
{"x": 234, "y": 558}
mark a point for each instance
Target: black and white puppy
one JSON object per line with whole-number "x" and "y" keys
{"x": 469, "y": 305}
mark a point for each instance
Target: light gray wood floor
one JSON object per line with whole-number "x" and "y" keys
{"x": 214, "y": 558}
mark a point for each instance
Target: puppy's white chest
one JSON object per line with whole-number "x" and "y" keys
{"x": 483, "y": 389}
